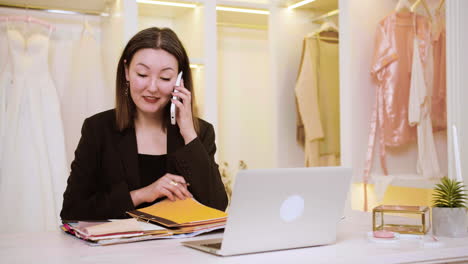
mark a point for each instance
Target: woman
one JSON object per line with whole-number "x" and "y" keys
{"x": 132, "y": 156}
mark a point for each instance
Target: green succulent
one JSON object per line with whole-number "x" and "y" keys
{"x": 449, "y": 193}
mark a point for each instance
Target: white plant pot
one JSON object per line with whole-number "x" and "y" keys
{"x": 450, "y": 222}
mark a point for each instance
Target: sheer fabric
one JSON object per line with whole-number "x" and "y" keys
{"x": 33, "y": 168}
{"x": 86, "y": 93}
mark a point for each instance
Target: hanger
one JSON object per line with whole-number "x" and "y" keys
{"x": 328, "y": 26}
{"x": 27, "y": 19}
{"x": 403, "y": 5}
{"x": 441, "y": 4}
{"x": 87, "y": 27}
{"x": 426, "y": 8}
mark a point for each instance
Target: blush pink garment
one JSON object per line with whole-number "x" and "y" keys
{"x": 439, "y": 92}
{"x": 391, "y": 69}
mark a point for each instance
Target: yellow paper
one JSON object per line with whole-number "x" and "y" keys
{"x": 183, "y": 211}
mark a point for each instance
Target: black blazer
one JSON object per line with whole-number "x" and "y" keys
{"x": 105, "y": 169}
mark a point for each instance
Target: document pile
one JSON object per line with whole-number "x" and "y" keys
{"x": 114, "y": 231}
{"x": 165, "y": 219}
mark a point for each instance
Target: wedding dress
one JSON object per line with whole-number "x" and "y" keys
{"x": 87, "y": 89}
{"x": 33, "y": 168}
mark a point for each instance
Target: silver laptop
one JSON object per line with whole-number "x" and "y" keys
{"x": 274, "y": 209}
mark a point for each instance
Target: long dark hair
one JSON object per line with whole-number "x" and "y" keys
{"x": 153, "y": 38}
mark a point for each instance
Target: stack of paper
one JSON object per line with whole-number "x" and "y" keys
{"x": 115, "y": 231}
{"x": 182, "y": 216}
{"x": 166, "y": 219}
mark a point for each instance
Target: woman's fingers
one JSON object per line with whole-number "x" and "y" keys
{"x": 177, "y": 186}
{"x": 184, "y": 91}
{"x": 168, "y": 194}
{"x": 179, "y": 190}
{"x": 176, "y": 178}
{"x": 184, "y": 94}
{"x": 185, "y": 98}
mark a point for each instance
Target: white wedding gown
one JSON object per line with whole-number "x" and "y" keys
{"x": 33, "y": 169}
{"x": 86, "y": 88}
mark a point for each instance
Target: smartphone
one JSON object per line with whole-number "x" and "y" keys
{"x": 173, "y": 106}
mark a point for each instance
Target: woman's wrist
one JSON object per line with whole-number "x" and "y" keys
{"x": 138, "y": 196}
{"x": 189, "y": 136}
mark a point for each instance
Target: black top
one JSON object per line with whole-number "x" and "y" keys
{"x": 106, "y": 169}
{"x": 152, "y": 167}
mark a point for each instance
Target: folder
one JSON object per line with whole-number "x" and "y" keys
{"x": 180, "y": 213}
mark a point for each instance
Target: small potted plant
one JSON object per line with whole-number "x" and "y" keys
{"x": 449, "y": 214}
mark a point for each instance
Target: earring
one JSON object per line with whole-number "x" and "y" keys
{"x": 126, "y": 89}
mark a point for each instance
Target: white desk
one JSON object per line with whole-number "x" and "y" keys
{"x": 352, "y": 246}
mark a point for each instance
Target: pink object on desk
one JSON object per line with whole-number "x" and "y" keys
{"x": 384, "y": 234}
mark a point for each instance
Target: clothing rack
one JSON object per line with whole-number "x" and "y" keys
{"x": 27, "y": 19}
{"x": 53, "y": 10}
{"x": 326, "y": 15}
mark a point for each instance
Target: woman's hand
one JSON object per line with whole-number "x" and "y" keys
{"x": 170, "y": 186}
{"x": 184, "y": 112}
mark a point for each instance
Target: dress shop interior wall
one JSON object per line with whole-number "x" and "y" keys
{"x": 245, "y": 98}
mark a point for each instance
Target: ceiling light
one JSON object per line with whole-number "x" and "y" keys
{"x": 243, "y": 10}
{"x": 167, "y": 3}
{"x": 301, "y": 3}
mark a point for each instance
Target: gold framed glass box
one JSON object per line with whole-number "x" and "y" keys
{"x": 403, "y": 219}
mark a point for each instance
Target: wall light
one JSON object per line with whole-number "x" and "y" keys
{"x": 301, "y": 3}
{"x": 243, "y": 10}
{"x": 195, "y": 66}
{"x": 167, "y": 3}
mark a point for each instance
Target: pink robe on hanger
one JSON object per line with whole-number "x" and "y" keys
{"x": 439, "y": 92}
{"x": 391, "y": 69}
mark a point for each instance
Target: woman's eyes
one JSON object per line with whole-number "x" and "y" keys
{"x": 162, "y": 78}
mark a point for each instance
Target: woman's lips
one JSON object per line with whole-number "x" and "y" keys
{"x": 150, "y": 99}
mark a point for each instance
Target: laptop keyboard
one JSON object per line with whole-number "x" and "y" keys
{"x": 213, "y": 245}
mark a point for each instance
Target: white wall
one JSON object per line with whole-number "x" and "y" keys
{"x": 190, "y": 28}
{"x": 210, "y": 69}
{"x": 457, "y": 79}
{"x": 112, "y": 43}
{"x": 245, "y": 99}
{"x": 286, "y": 30}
